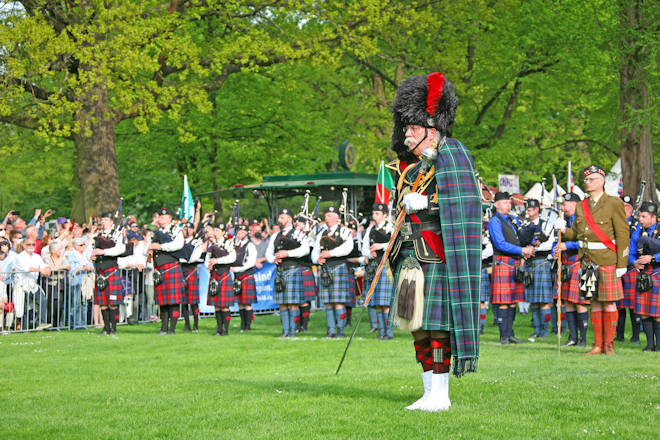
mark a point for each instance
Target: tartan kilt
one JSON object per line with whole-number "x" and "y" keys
{"x": 609, "y": 286}
{"x": 565, "y": 285}
{"x": 437, "y": 307}
{"x": 339, "y": 291}
{"x": 191, "y": 278}
{"x": 225, "y": 296}
{"x": 172, "y": 289}
{"x": 503, "y": 288}
{"x": 382, "y": 296}
{"x": 629, "y": 291}
{"x": 114, "y": 293}
{"x": 309, "y": 284}
{"x": 293, "y": 287}
{"x": 541, "y": 290}
{"x": 572, "y": 293}
{"x": 648, "y": 303}
{"x": 248, "y": 289}
{"x": 484, "y": 295}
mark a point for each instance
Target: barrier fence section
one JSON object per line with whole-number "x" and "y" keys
{"x": 65, "y": 300}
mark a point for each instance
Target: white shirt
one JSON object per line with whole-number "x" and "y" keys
{"x": 176, "y": 243}
{"x": 250, "y": 256}
{"x": 22, "y": 267}
{"x": 340, "y": 251}
{"x": 298, "y": 252}
{"x": 228, "y": 259}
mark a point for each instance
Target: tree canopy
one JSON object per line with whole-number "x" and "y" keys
{"x": 102, "y": 98}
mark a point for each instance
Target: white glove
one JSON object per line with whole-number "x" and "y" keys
{"x": 560, "y": 224}
{"x": 414, "y": 202}
{"x": 621, "y": 271}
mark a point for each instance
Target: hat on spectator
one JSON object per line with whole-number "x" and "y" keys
{"x": 571, "y": 197}
{"x": 254, "y": 222}
{"x": 62, "y": 220}
{"x": 502, "y": 195}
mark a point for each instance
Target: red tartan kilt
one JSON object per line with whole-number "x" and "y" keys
{"x": 572, "y": 293}
{"x": 609, "y": 286}
{"x": 629, "y": 291}
{"x": 648, "y": 303}
{"x": 565, "y": 285}
{"x": 503, "y": 288}
{"x": 248, "y": 289}
{"x": 309, "y": 284}
{"x": 172, "y": 289}
{"x": 114, "y": 293}
{"x": 225, "y": 296}
{"x": 192, "y": 286}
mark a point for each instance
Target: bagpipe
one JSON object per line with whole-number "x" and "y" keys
{"x": 109, "y": 240}
{"x": 217, "y": 250}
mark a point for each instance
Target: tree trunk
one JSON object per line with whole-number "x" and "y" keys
{"x": 636, "y": 146}
{"x": 95, "y": 176}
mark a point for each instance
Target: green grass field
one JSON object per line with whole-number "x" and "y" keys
{"x": 137, "y": 385}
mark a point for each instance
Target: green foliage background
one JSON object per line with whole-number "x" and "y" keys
{"x": 537, "y": 83}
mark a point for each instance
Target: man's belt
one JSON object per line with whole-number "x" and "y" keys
{"x": 541, "y": 254}
{"x": 335, "y": 261}
{"x": 410, "y": 231}
{"x": 594, "y": 246}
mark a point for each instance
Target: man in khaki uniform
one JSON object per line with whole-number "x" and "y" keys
{"x": 604, "y": 243}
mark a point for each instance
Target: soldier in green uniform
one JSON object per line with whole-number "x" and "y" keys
{"x": 601, "y": 229}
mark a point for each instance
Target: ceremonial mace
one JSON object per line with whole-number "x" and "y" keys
{"x": 428, "y": 159}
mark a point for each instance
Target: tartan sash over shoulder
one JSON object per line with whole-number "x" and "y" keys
{"x": 459, "y": 198}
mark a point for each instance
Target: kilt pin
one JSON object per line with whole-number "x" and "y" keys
{"x": 225, "y": 294}
{"x": 114, "y": 293}
{"x": 248, "y": 293}
{"x": 172, "y": 289}
{"x": 191, "y": 277}
{"x": 648, "y": 303}
{"x": 504, "y": 288}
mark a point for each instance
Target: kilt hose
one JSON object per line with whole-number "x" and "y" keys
{"x": 503, "y": 288}
{"x": 294, "y": 289}
{"x": 541, "y": 289}
{"x": 248, "y": 293}
{"x": 225, "y": 294}
{"x": 572, "y": 293}
{"x": 629, "y": 291}
{"x": 437, "y": 307}
{"x": 484, "y": 295}
{"x": 172, "y": 289}
{"x": 309, "y": 284}
{"x": 609, "y": 286}
{"x": 114, "y": 293}
{"x": 339, "y": 291}
{"x": 382, "y": 296}
{"x": 191, "y": 277}
{"x": 648, "y": 303}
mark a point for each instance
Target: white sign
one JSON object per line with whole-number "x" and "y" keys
{"x": 509, "y": 183}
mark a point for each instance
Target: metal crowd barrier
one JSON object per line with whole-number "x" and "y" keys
{"x": 66, "y": 301}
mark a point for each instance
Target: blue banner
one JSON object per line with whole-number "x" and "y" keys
{"x": 264, "y": 279}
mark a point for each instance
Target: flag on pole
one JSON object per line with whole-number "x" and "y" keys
{"x": 187, "y": 210}
{"x": 569, "y": 181}
{"x": 384, "y": 186}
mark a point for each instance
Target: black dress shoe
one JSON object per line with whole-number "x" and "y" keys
{"x": 104, "y": 332}
{"x": 620, "y": 339}
{"x": 504, "y": 341}
{"x": 330, "y": 334}
{"x": 634, "y": 341}
{"x": 515, "y": 340}
{"x": 582, "y": 343}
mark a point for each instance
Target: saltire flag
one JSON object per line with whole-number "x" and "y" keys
{"x": 570, "y": 184}
{"x": 384, "y": 186}
{"x": 187, "y": 210}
